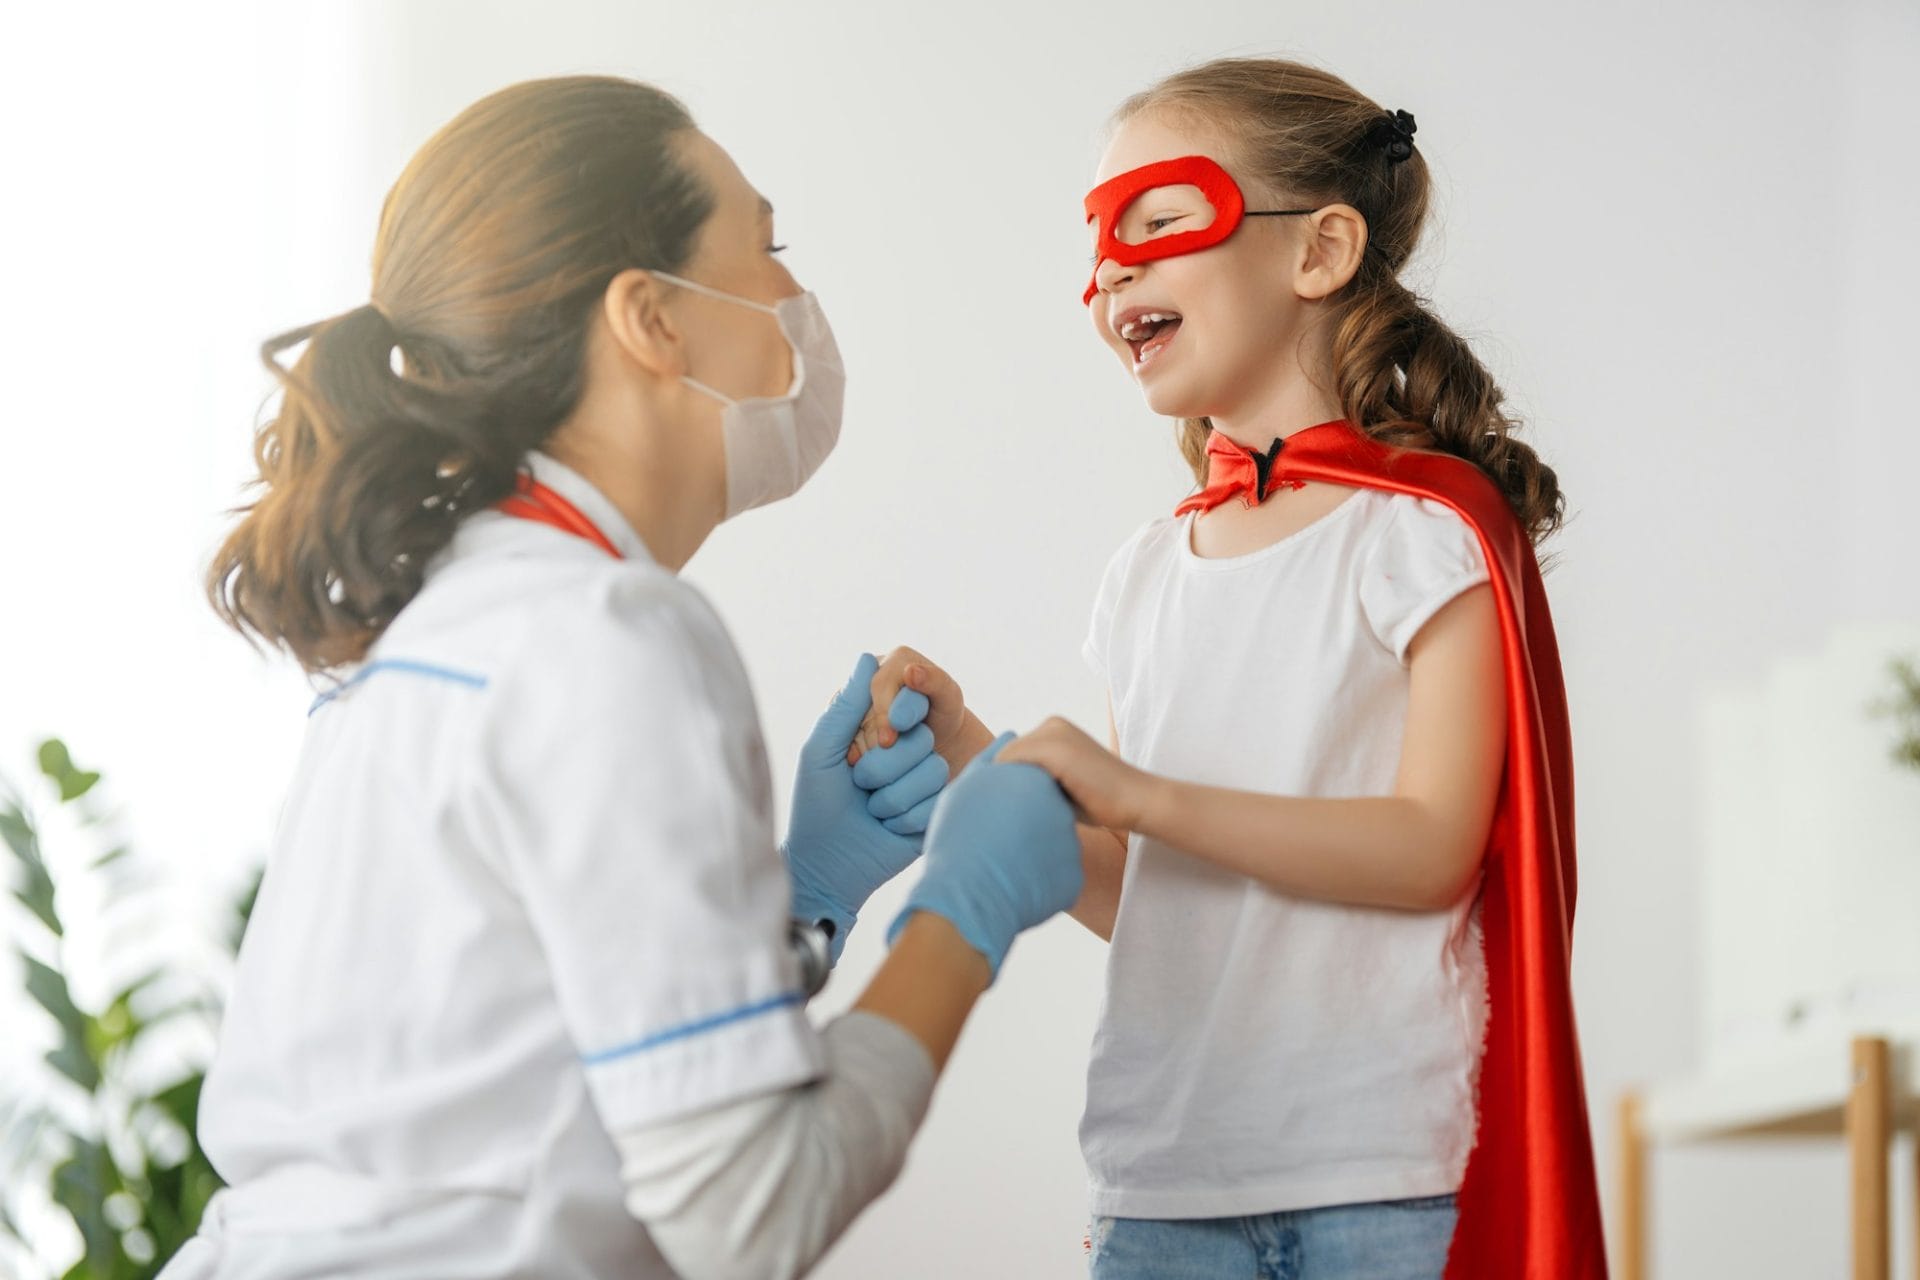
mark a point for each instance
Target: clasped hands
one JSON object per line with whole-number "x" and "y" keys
{"x": 872, "y": 792}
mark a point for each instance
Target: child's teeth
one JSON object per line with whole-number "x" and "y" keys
{"x": 1137, "y": 328}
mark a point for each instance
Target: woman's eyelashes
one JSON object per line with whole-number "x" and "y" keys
{"x": 776, "y": 248}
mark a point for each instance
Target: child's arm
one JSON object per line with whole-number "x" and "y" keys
{"x": 1103, "y": 861}
{"x": 1417, "y": 849}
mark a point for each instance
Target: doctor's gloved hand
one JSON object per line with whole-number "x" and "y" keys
{"x": 1002, "y": 855}
{"x": 910, "y": 689}
{"x": 843, "y": 843}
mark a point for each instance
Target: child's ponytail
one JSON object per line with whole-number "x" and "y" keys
{"x": 1400, "y": 370}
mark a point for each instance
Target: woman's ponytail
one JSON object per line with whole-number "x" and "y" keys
{"x": 399, "y": 418}
{"x": 357, "y": 498}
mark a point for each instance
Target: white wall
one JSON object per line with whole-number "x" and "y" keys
{"x": 179, "y": 181}
{"x": 1683, "y": 230}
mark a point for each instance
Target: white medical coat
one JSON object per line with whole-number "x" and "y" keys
{"x": 524, "y": 892}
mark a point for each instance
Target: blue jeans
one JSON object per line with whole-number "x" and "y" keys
{"x": 1392, "y": 1240}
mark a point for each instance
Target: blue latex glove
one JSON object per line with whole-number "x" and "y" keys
{"x": 905, "y": 778}
{"x": 837, "y": 852}
{"x": 1002, "y": 855}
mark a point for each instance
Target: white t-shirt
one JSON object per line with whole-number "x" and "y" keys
{"x": 1258, "y": 1052}
{"x": 525, "y": 891}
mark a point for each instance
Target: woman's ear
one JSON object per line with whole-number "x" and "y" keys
{"x": 1336, "y": 239}
{"x": 639, "y": 325}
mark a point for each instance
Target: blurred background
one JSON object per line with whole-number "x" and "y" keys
{"x": 1680, "y": 232}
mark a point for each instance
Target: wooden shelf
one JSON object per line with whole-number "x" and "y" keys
{"x": 1864, "y": 1090}
{"x": 1801, "y": 1092}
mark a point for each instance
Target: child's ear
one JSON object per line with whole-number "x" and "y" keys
{"x": 639, "y": 324}
{"x": 1336, "y": 239}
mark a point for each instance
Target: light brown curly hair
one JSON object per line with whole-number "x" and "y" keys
{"x": 1401, "y": 375}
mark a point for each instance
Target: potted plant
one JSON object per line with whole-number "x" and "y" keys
{"x": 111, "y": 1145}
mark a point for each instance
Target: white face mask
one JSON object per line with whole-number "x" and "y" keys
{"x": 774, "y": 444}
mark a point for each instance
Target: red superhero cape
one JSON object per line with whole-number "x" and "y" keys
{"x": 1529, "y": 1208}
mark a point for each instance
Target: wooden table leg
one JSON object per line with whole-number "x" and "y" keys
{"x": 1869, "y": 1131}
{"x": 1630, "y": 1236}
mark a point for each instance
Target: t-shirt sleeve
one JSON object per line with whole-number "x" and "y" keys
{"x": 1100, "y": 627}
{"x": 1425, "y": 556}
{"x": 626, "y": 783}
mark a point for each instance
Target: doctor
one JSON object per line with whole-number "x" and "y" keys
{"x": 524, "y": 990}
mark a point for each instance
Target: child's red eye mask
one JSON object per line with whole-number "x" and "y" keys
{"x": 1109, "y": 202}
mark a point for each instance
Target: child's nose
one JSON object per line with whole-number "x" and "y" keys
{"x": 1110, "y": 275}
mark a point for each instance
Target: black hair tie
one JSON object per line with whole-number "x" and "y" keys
{"x": 1393, "y": 134}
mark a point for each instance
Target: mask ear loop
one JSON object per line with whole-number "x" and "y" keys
{"x": 706, "y": 390}
{"x": 696, "y": 287}
{"x": 711, "y": 292}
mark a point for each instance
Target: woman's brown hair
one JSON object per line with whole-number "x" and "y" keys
{"x": 403, "y": 416}
{"x": 1400, "y": 373}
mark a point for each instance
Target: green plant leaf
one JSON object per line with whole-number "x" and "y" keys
{"x": 133, "y": 989}
{"x": 243, "y": 908}
{"x": 37, "y": 897}
{"x": 177, "y": 1194}
{"x": 119, "y": 1027}
{"x": 181, "y": 1101}
{"x": 17, "y": 1122}
{"x": 19, "y": 832}
{"x": 55, "y": 759}
{"x": 110, "y": 857}
{"x": 35, "y": 892}
{"x": 166, "y": 1192}
{"x": 9, "y": 1228}
{"x": 199, "y": 1184}
{"x": 57, "y": 763}
{"x": 177, "y": 1199}
{"x": 23, "y": 1149}
{"x": 81, "y": 1184}
{"x": 199, "y": 1006}
{"x": 48, "y": 987}
{"x": 72, "y": 1061}
{"x": 1903, "y": 707}
{"x": 112, "y": 1031}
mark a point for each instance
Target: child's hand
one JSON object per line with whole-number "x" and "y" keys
{"x": 1106, "y": 790}
{"x": 906, "y": 690}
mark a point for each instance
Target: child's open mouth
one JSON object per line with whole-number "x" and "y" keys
{"x": 1149, "y": 334}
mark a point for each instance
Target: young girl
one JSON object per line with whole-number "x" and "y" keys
{"x": 1331, "y": 844}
